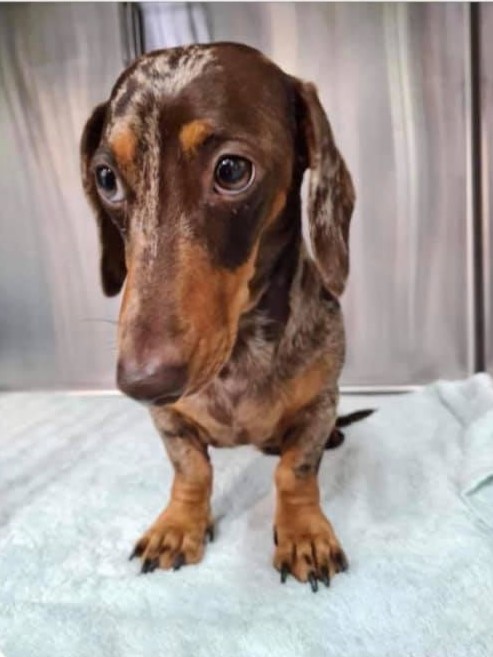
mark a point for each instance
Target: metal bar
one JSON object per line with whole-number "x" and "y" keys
{"x": 131, "y": 31}
{"x": 191, "y": 21}
{"x": 140, "y": 47}
{"x": 379, "y": 390}
{"x": 477, "y": 187}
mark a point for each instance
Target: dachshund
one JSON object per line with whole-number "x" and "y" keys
{"x": 230, "y": 328}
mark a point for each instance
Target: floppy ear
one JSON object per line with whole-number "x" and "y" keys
{"x": 331, "y": 193}
{"x": 113, "y": 268}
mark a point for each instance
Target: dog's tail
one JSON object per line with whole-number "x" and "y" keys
{"x": 336, "y": 437}
{"x": 345, "y": 420}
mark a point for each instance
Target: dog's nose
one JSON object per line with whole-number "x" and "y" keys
{"x": 159, "y": 380}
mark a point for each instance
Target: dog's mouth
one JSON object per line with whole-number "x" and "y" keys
{"x": 171, "y": 398}
{"x": 211, "y": 367}
{"x": 204, "y": 377}
{"x": 167, "y": 399}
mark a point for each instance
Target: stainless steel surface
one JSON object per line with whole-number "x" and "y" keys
{"x": 132, "y": 31}
{"x": 395, "y": 82}
{"x": 170, "y": 24}
{"x": 486, "y": 68}
{"x": 56, "y": 62}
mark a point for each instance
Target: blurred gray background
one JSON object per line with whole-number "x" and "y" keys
{"x": 404, "y": 86}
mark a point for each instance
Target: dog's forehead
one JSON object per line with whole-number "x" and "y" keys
{"x": 219, "y": 74}
{"x": 163, "y": 73}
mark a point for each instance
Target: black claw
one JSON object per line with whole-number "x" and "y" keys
{"x": 135, "y": 553}
{"x": 179, "y": 561}
{"x": 209, "y": 532}
{"x": 312, "y": 578}
{"x": 325, "y": 576}
{"x": 284, "y": 572}
{"x": 275, "y": 535}
{"x": 149, "y": 565}
{"x": 341, "y": 562}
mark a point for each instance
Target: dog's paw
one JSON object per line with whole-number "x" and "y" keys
{"x": 307, "y": 548}
{"x": 175, "y": 539}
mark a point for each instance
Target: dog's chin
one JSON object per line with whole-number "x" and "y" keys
{"x": 166, "y": 400}
{"x": 171, "y": 398}
{"x": 204, "y": 378}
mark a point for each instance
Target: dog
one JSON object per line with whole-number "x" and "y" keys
{"x": 229, "y": 329}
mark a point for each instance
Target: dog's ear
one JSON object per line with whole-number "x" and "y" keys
{"x": 113, "y": 268}
{"x": 331, "y": 194}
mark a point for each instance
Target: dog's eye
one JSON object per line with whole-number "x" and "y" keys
{"x": 233, "y": 174}
{"x": 109, "y": 185}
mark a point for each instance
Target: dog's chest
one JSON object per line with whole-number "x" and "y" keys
{"x": 235, "y": 411}
{"x": 240, "y": 406}
{"x": 231, "y": 419}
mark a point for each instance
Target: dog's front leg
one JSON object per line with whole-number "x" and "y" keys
{"x": 178, "y": 535}
{"x": 306, "y": 545}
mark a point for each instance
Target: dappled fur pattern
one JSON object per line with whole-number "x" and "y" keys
{"x": 220, "y": 292}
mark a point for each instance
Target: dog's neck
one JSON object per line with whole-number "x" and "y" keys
{"x": 274, "y": 302}
{"x": 277, "y": 260}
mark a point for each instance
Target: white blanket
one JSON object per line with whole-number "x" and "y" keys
{"x": 410, "y": 495}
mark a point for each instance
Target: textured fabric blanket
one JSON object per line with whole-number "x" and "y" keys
{"x": 410, "y": 494}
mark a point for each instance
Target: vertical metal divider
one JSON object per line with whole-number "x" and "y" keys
{"x": 479, "y": 360}
{"x": 132, "y": 33}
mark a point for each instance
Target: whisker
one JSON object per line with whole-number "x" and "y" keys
{"x": 100, "y": 319}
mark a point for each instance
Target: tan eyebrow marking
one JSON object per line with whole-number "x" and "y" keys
{"x": 123, "y": 143}
{"x": 193, "y": 134}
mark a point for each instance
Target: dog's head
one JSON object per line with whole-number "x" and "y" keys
{"x": 188, "y": 166}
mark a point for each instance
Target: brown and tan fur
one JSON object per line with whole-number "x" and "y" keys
{"x": 220, "y": 292}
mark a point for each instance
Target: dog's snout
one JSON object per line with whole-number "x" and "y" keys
{"x": 159, "y": 380}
